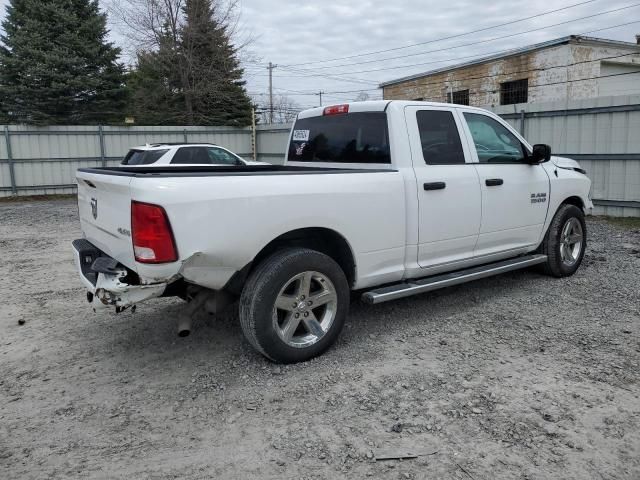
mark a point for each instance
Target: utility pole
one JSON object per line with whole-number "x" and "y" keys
{"x": 270, "y": 68}
{"x": 320, "y": 95}
{"x": 254, "y": 139}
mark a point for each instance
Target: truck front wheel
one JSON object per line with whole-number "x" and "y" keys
{"x": 294, "y": 305}
{"x": 565, "y": 242}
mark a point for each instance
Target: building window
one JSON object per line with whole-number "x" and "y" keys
{"x": 514, "y": 92}
{"x": 461, "y": 97}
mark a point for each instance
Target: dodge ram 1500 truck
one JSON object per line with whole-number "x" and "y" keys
{"x": 388, "y": 198}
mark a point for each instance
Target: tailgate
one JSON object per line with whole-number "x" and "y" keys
{"x": 104, "y": 206}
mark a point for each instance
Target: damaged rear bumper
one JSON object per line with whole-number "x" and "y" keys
{"x": 108, "y": 283}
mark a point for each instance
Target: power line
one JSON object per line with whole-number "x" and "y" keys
{"x": 355, "y": 91}
{"x": 471, "y": 43}
{"x": 477, "y": 56}
{"x": 336, "y": 76}
{"x": 286, "y": 90}
{"x": 560, "y": 82}
{"x": 540, "y": 69}
{"x": 329, "y": 76}
{"x": 475, "y": 92}
{"x": 325, "y": 93}
{"x": 444, "y": 38}
{"x": 291, "y": 69}
{"x": 292, "y": 111}
{"x": 309, "y": 93}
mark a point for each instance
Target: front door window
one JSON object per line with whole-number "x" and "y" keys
{"x": 494, "y": 143}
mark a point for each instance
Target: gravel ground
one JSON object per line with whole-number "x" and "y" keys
{"x": 518, "y": 376}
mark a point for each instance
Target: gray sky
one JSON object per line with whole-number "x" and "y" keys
{"x": 292, "y": 32}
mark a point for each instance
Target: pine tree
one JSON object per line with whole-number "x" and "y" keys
{"x": 215, "y": 91}
{"x": 194, "y": 76}
{"x": 156, "y": 86}
{"x": 56, "y": 65}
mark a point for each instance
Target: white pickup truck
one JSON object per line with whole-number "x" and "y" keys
{"x": 388, "y": 198}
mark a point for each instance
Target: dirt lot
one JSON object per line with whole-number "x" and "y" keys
{"x": 519, "y": 376}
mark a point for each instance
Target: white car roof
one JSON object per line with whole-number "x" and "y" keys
{"x": 164, "y": 146}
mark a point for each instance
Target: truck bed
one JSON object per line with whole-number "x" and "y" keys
{"x": 222, "y": 217}
{"x": 223, "y": 171}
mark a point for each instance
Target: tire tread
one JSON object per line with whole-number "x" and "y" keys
{"x": 263, "y": 275}
{"x": 549, "y": 246}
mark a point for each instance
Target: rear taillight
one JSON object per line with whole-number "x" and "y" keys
{"x": 151, "y": 234}
{"x": 336, "y": 109}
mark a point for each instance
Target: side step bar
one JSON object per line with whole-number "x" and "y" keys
{"x": 428, "y": 284}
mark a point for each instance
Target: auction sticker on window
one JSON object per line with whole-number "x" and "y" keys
{"x": 301, "y": 135}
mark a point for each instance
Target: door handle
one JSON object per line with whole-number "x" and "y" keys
{"x": 435, "y": 186}
{"x": 493, "y": 182}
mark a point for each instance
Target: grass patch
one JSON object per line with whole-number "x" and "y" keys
{"x": 34, "y": 198}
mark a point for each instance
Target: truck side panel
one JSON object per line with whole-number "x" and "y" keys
{"x": 222, "y": 223}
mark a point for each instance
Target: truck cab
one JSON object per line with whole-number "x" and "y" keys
{"x": 475, "y": 190}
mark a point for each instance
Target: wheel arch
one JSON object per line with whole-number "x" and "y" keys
{"x": 321, "y": 239}
{"x": 573, "y": 200}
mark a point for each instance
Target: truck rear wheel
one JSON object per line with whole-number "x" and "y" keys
{"x": 565, "y": 242}
{"x": 294, "y": 305}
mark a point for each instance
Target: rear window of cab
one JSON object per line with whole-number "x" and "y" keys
{"x": 360, "y": 137}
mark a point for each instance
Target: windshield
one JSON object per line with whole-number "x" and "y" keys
{"x": 143, "y": 157}
{"x": 360, "y": 137}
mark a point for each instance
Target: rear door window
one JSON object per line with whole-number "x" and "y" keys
{"x": 360, "y": 137}
{"x": 191, "y": 155}
{"x": 143, "y": 157}
{"x": 439, "y": 137}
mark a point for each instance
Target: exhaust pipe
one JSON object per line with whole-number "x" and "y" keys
{"x": 185, "y": 318}
{"x": 184, "y": 326}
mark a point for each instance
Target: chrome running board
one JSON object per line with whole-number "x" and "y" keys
{"x": 428, "y": 284}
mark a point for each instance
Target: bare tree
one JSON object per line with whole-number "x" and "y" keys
{"x": 284, "y": 109}
{"x": 146, "y": 22}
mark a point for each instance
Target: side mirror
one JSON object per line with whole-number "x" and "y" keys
{"x": 541, "y": 153}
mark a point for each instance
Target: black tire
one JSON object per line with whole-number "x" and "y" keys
{"x": 555, "y": 266}
{"x": 263, "y": 286}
